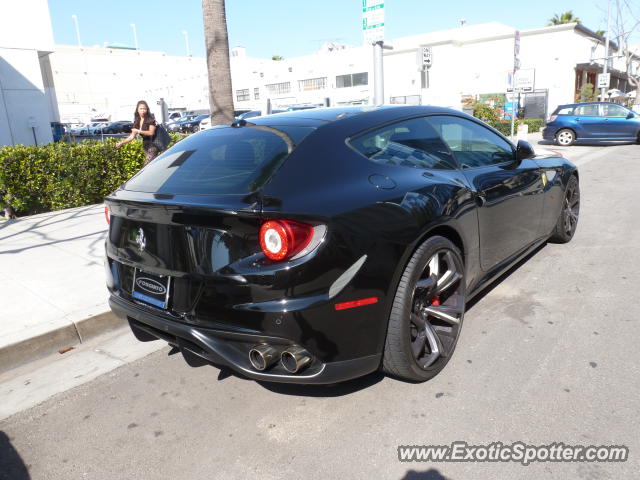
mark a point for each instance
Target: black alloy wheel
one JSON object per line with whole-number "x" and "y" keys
{"x": 568, "y": 219}
{"x": 427, "y": 313}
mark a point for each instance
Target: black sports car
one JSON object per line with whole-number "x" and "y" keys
{"x": 321, "y": 245}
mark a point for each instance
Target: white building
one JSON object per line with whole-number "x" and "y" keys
{"x": 470, "y": 62}
{"x": 106, "y": 83}
{"x": 27, "y": 96}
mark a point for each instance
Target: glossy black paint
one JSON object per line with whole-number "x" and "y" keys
{"x": 227, "y": 296}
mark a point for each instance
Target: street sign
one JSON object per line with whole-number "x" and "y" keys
{"x": 522, "y": 80}
{"x": 425, "y": 57}
{"x": 604, "y": 79}
{"x": 373, "y": 20}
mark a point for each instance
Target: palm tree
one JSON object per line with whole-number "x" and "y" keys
{"x": 566, "y": 17}
{"x": 218, "y": 64}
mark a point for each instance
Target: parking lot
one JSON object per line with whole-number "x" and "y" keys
{"x": 548, "y": 355}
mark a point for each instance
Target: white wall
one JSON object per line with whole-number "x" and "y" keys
{"x": 25, "y": 100}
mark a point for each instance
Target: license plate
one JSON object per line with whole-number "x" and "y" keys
{"x": 150, "y": 288}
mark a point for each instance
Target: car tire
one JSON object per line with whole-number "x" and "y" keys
{"x": 427, "y": 312}
{"x": 565, "y": 137}
{"x": 568, "y": 219}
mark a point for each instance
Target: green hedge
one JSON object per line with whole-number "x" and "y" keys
{"x": 504, "y": 126}
{"x": 59, "y": 175}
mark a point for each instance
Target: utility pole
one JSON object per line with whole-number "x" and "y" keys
{"x": 373, "y": 30}
{"x": 378, "y": 74}
{"x": 606, "y": 50}
{"x": 516, "y": 67}
{"x": 75, "y": 20}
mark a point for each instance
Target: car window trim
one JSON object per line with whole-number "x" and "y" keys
{"x": 486, "y": 127}
{"x": 348, "y": 140}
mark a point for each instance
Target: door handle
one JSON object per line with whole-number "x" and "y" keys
{"x": 481, "y": 199}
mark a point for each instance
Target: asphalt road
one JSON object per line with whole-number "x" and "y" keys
{"x": 550, "y": 354}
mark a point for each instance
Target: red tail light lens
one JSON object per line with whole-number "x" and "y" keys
{"x": 552, "y": 118}
{"x": 280, "y": 239}
{"x": 107, "y": 214}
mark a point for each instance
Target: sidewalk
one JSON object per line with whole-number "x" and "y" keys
{"x": 52, "y": 283}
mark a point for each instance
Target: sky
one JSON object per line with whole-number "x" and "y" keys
{"x": 292, "y": 28}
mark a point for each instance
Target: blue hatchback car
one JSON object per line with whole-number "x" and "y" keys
{"x": 593, "y": 121}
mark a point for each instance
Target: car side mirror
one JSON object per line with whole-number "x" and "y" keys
{"x": 524, "y": 150}
{"x": 630, "y": 115}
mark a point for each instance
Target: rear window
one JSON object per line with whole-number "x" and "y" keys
{"x": 221, "y": 160}
{"x": 564, "y": 111}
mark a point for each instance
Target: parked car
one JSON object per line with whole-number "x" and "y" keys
{"x": 192, "y": 125}
{"x": 205, "y": 123}
{"x": 255, "y": 113}
{"x": 96, "y": 128}
{"x": 176, "y": 126}
{"x": 592, "y": 121}
{"x": 319, "y": 246}
{"x": 79, "y": 130}
{"x": 121, "y": 126}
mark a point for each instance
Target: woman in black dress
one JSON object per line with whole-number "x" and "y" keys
{"x": 144, "y": 124}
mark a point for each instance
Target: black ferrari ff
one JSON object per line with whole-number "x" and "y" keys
{"x": 321, "y": 245}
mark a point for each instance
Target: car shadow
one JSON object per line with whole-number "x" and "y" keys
{"x": 431, "y": 474}
{"x": 587, "y": 143}
{"x": 486, "y": 290}
{"x": 351, "y": 386}
{"x": 11, "y": 465}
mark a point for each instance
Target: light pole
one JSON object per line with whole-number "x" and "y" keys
{"x": 135, "y": 35}
{"x": 606, "y": 48}
{"x": 75, "y": 20}
{"x": 186, "y": 41}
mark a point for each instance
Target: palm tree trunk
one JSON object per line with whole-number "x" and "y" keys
{"x": 218, "y": 65}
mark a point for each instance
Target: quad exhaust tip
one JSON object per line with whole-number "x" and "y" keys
{"x": 294, "y": 359}
{"x": 263, "y": 356}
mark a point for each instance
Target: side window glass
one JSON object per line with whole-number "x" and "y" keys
{"x": 614, "y": 111}
{"x": 410, "y": 143}
{"x": 471, "y": 143}
{"x": 587, "y": 111}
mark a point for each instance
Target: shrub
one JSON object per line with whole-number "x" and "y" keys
{"x": 504, "y": 126}
{"x": 484, "y": 112}
{"x": 59, "y": 175}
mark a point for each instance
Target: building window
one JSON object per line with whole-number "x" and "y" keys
{"x": 312, "y": 84}
{"x": 352, "y": 80}
{"x": 256, "y": 93}
{"x": 279, "y": 88}
{"x": 242, "y": 95}
{"x": 406, "y": 100}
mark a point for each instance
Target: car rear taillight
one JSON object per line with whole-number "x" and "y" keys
{"x": 552, "y": 118}
{"x": 281, "y": 239}
{"x": 107, "y": 214}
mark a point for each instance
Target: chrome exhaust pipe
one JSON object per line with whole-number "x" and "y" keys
{"x": 294, "y": 359}
{"x": 263, "y": 356}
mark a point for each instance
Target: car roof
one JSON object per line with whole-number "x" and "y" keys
{"x": 367, "y": 114}
{"x": 568, "y": 105}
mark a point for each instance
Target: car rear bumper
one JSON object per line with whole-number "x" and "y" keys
{"x": 548, "y": 133}
{"x": 229, "y": 348}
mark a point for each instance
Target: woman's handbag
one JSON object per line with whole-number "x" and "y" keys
{"x": 161, "y": 138}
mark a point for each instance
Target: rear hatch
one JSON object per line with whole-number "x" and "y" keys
{"x": 191, "y": 218}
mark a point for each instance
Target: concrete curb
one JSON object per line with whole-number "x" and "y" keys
{"x": 40, "y": 346}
